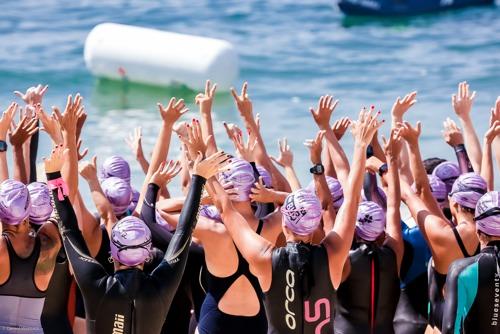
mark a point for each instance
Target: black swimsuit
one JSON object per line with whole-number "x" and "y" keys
{"x": 129, "y": 301}
{"x": 213, "y": 320}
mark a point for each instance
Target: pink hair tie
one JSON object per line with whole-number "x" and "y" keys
{"x": 60, "y": 185}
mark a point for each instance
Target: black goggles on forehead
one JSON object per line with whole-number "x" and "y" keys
{"x": 488, "y": 213}
{"x": 463, "y": 189}
{"x": 121, "y": 246}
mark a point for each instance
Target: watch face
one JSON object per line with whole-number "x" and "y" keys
{"x": 3, "y": 146}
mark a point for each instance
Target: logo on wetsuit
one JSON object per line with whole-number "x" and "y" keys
{"x": 290, "y": 297}
{"x": 119, "y": 324}
{"x": 496, "y": 301}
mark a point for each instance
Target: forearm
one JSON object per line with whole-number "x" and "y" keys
{"x": 496, "y": 149}
{"x": 487, "y": 165}
{"x": 471, "y": 142}
{"x": 418, "y": 170}
{"x": 378, "y": 152}
{"x": 339, "y": 159}
{"x": 327, "y": 162}
{"x": 19, "y": 165}
{"x": 161, "y": 237}
{"x": 4, "y": 169}
{"x": 104, "y": 208}
{"x": 178, "y": 248}
{"x": 26, "y": 158}
{"x": 393, "y": 228}
{"x": 292, "y": 178}
{"x": 143, "y": 163}
{"x": 33, "y": 155}
{"x": 207, "y": 130}
{"x": 463, "y": 159}
{"x": 324, "y": 195}
{"x": 70, "y": 167}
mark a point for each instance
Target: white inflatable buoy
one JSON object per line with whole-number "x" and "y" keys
{"x": 150, "y": 56}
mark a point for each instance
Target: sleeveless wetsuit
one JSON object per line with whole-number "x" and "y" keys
{"x": 55, "y": 310}
{"x": 21, "y": 302}
{"x": 300, "y": 299}
{"x": 411, "y": 312}
{"x": 129, "y": 301}
{"x": 213, "y": 320}
{"x": 473, "y": 294}
{"x": 437, "y": 282}
{"x": 189, "y": 294}
{"x": 368, "y": 298}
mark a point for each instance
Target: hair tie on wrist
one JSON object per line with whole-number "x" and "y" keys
{"x": 60, "y": 185}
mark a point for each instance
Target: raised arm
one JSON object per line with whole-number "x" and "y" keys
{"x": 164, "y": 174}
{"x": 88, "y": 170}
{"x": 18, "y": 136}
{"x": 462, "y": 104}
{"x": 453, "y": 137}
{"x": 5, "y": 122}
{"x": 321, "y": 116}
{"x": 176, "y": 255}
{"x": 285, "y": 160}
{"x": 392, "y": 150}
{"x": 134, "y": 141}
{"x": 487, "y": 161}
{"x": 245, "y": 108}
{"x": 422, "y": 186}
{"x": 339, "y": 240}
{"x": 68, "y": 125}
{"x": 495, "y": 114}
{"x": 205, "y": 102}
{"x": 174, "y": 110}
{"x": 88, "y": 272}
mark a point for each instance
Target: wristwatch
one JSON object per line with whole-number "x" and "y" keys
{"x": 317, "y": 169}
{"x": 3, "y": 146}
{"x": 382, "y": 169}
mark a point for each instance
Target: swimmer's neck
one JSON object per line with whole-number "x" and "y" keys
{"x": 118, "y": 266}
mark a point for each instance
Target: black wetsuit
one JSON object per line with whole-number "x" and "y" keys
{"x": 55, "y": 310}
{"x": 473, "y": 294}
{"x": 213, "y": 320}
{"x": 190, "y": 294}
{"x": 128, "y": 301}
{"x": 367, "y": 299}
{"x": 21, "y": 302}
{"x": 411, "y": 313}
{"x": 437, "y": 282}
{"x": 300, "y": 299}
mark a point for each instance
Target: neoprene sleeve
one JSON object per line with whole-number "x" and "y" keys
{"x": 371, "y": 190}
{"x": 33, "y": 153}
{"x": 161, "y": 237}
{"x": 463, "y": 159}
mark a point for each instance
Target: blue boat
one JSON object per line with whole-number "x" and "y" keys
{"x": 404, "y": 7}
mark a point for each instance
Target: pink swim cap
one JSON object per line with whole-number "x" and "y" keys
{"x": 335, "y": 190}
{"x": 41, "y": 203}
{"x": 15, "y": 202}
{"x": 241, "y": 175}
{"x": 302, "y": 212}
{"x": 468, "y": 189}
{"x": 488, "y": 214}
{"x": 130, "y": 241}
{"x": 370, "y": 221}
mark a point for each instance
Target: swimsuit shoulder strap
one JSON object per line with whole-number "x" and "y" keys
{"x": 460, "y": 242}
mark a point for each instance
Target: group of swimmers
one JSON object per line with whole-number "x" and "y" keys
{"x": 247, "y": 248}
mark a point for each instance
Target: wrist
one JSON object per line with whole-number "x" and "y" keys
{"x": 324, "y": 126}
{"x": 459, "y": 148}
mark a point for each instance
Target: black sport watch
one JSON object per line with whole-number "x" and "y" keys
{"x": 3, "y": 146}
{"x": 317, "y": 169}
{"x": 382, "y": 169}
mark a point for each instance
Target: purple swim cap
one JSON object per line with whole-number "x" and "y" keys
{"x": 15, "y": 203}
{"x": 370, "y": 221}
{"x": 130, "y": 241}
{"x": 119, "y": 194}
{"x": 41, "y": 203}
{"x": 135, "y": 199}
{"x": 115, "y": 166}
{"x": 266, "y": 177}
{"x": 241, "y": 175}
{"x": 468, "y": 189}
{"x": 488, "y": 214}
{"x": 335, "y": 190}
{"x": 302, "y": 212}
{"x": 210, "y": 212}
{"x": 447, "y": 172}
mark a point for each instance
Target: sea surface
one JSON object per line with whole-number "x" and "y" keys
{"x": 291, "y": 52}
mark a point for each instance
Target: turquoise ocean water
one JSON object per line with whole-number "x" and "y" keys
{"x": 291, "y": 52}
